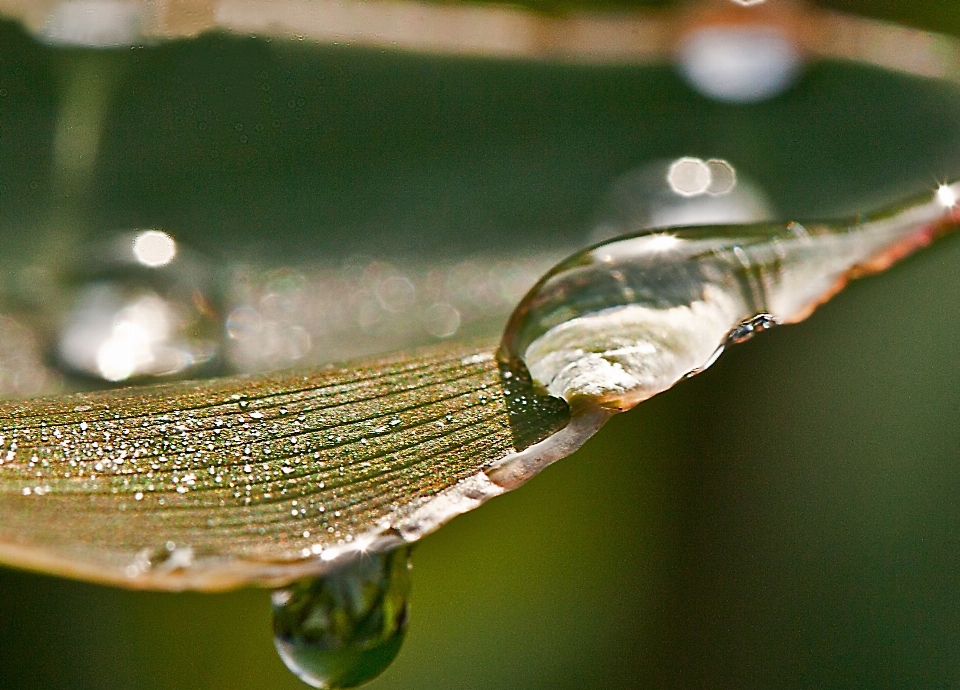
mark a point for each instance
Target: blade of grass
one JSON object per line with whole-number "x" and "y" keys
{"x": 210, "y": 485}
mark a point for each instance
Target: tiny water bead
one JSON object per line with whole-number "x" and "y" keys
{"x": 344, "y": 629}
{"x": 625, "y": 320}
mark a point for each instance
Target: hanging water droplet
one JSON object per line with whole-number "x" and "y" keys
{"x": 623, "y": 321}
{"x": 344, "y": 629}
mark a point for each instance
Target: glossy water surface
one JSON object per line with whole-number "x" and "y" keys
{"x": 344, "y": 629}
{"x": 627, "y": 319}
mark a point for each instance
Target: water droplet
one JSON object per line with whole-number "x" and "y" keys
{"x": 681, "y": 192}
{"x": 143, "y": 306}
{"x": 628, "y": 319}
{"x": 740, "y": 55}
{"x": 344, "y": 629}
{"x": 749, "y": 328}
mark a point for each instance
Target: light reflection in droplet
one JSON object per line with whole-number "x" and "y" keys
{"x": 723, "y": 177}
{"x": 647, "y": 198}
{"x": 688, "y": 176}
{"x": 645, "y": 245}
{"x": 154, "y": 248}
{"x": 947, "y": 196}
{"x": 115, "y": 338}
{"x": 131, "y": 343}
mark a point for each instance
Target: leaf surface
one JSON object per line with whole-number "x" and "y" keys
{"x": 209, "y": 485}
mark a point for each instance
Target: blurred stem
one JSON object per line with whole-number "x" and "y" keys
{"x": 88, "y": 80}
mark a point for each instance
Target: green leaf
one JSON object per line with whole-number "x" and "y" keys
{"x": 210, "y": 485}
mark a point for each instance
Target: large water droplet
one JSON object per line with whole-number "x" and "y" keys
{"x": 534, "y": 415}
{"x": 620, "y": 322}
{"x": 344, "y": 629}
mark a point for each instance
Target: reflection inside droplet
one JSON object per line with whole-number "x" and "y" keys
{"x": 688, "y": 176}
{"x": 712, "y": 192}
{"x": 344, "y": 629}
{"x": 130, "y": 344}
{"x": 154, "y": 248}
{"x": 623, "y": 321}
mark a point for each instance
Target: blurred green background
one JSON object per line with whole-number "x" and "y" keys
{"x": 790, "y": 518}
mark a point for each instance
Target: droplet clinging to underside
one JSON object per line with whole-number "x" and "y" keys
{"x": 342, "y": 630}
{"x": 627, "y": 319}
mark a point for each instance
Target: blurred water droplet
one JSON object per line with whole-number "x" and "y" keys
{"x": 688, "y": 176}
{"x": 343, "y": 630}
{"x": 744, "y": 51}
{"x": 710, "y": 192}
{"x": 739, "y": 64}
{"x": 723, "y": 178}
{"x": 396, "y": 293}
{"x": 140, "y": 308}
{"x": 154, "y": 248}
{"x": 244, "y": 323}
{"x": 325, "y": 313}
{"x": 441, "y": 320}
